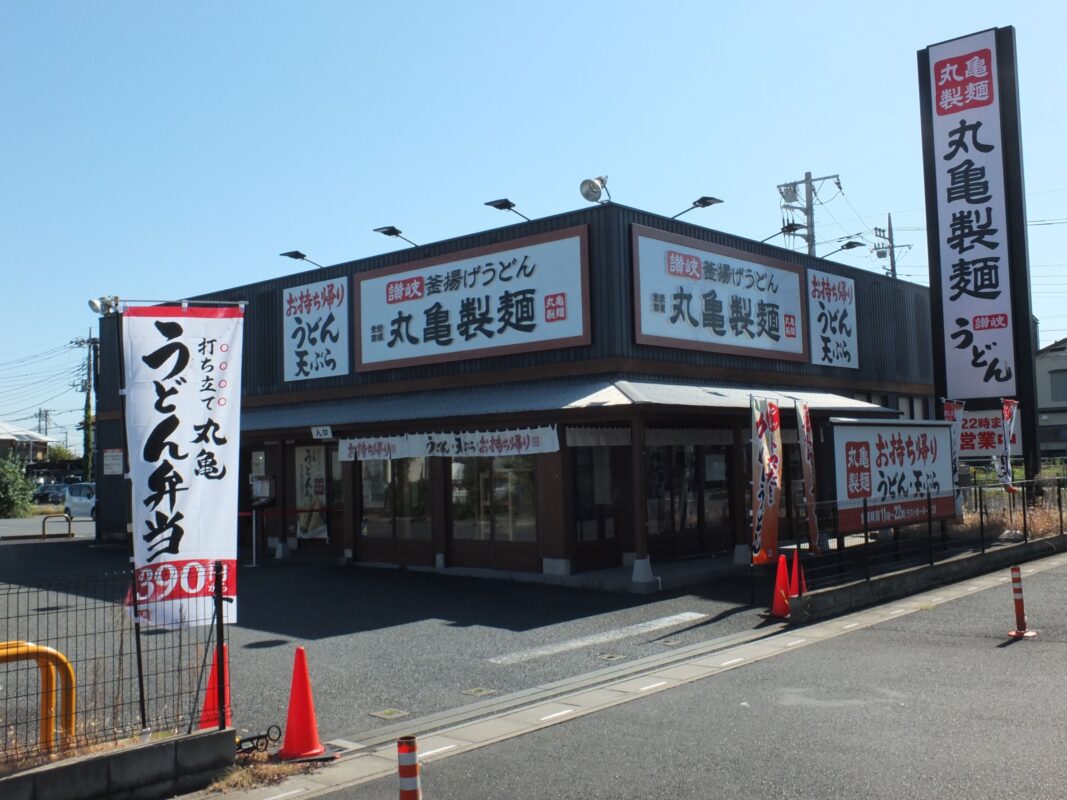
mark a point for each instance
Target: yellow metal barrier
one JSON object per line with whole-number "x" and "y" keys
{"x": 44, "y": 519}
{"x": 49, "y": 661}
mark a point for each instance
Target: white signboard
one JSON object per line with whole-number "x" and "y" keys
{"x": 982, "y": 435}
{"x": 892, "y": 467}
{"x": 112, "y": 458}
{"x": 696, "y": 295}
{"x": 529, "y": 294}
{"x": 315, "y": 330}
{"x": 462, "y": 444}
{"x": 311, "y": 492}
{"x": 975, "y": 280}
{"x": 183, "y": 401}
{"x": 832, "y": 320}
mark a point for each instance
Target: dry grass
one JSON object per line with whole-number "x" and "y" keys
{"x": 252, "y": 770}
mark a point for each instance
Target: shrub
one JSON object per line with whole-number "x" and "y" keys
{"x": 15, "y": 488}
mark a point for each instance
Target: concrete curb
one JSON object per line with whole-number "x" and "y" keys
{"x": 850, "y": 597}
{"x": 144, "y": 772}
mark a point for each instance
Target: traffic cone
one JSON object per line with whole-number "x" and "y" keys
{"x": 209, "y": 715}
{"x": 301, "y": 729}
{"x": 780, "y": 601}
{"x": 407, "y": 761}
{"x": 797, "y": 584}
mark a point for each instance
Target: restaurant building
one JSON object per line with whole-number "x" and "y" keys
{"x": 555, "y": 396}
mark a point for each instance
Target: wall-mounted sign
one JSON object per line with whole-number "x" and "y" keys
{"x": 971, "y": 267}
{"x": 460, "y": 444}
{"x": 886, "y": 470}
{"x": 112, "y": 461}
{"x": 700, "y": 296}
{"x": 832, "y": 320}
{"x": 321, "y": 432}
{"x": 315, "y": 330}
{"x": 527, "y": 294}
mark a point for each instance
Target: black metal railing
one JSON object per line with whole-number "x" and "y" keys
{"x": 131, "y": 681}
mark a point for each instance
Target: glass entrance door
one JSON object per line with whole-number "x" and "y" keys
{"x": 687, "y": 492}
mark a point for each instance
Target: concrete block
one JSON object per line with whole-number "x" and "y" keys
{"x": 207, "y": 751}
{"x": 74, "y": 779}
{"x": 142, "y": 765}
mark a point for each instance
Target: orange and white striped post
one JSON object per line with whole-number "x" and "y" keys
{"x": 1020, "y": 631}
{"x": 407, "y": 760}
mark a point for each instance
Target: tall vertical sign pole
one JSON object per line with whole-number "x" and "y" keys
{"x": 976, "y": 227}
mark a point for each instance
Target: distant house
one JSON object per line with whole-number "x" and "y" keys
{"x": 1051, "y": 373}
{"x": 29, "y": 445}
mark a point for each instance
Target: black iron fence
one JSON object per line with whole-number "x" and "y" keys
{"x": 859, "y": 540}
{"x": 80, "y": 671}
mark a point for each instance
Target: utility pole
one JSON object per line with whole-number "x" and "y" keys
{"x": 91, "y": 346}
{"x": 889, "y": 247}
{"x": 44, "y": 416}
{"x": 790, "y": 195}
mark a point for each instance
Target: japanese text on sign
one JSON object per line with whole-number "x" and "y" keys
{"x": 694, "y": 294}
{"x": 315, "y": 330}
{"x": 514, "y": 299}
{"x": 832, "y": 320}
{"x": 975, "y": 273}
{"x": 183, "y": 376}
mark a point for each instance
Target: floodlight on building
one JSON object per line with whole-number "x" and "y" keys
{"x": 395, "y": 232}
{"x": 592, "y": 188}
{"x": 298, "y": 256}
{"x": 108, "y": 304}
{"x": 789, "y": 227}
{"x": 503, "y": 204}
{"x": 700, "y": 202}
{"x": 851, "y": 244}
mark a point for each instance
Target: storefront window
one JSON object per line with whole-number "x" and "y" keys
{"x": 470, "y": 498}
{"x": 494, "y": 498}
{"x": 396, "y": 499}
{"x": 716, "y": 488}
{"x": 412, "y": 492}
{"x": 514, "y": 499}
{"x": 594, "y": 506}
{"x": 337, "y": 494}
{"x": 377, "y": 499}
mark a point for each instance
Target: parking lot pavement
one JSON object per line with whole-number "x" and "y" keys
{"x": 55, "y": 524}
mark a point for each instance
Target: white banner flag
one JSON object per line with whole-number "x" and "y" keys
{"x": 183, "y": 406}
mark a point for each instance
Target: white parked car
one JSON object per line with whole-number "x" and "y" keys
{"x": 80, "y": 500}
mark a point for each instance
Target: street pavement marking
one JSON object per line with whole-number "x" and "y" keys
{"x": 652, "y": 686}
{"x": 732, "y": 661}
{"x": 562, "y": 713}
{"x": 437, "y": 750}
{"x": 795, "y": 642}
{"x": 286, "y": 794}
{"x": 898, "y": 611}
{"x": 599, "y": 638}
{"x": 850, "y": 625}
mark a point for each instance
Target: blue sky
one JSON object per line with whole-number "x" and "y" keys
{"x": 160, "y": 150}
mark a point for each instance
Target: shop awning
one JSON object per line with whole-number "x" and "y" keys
{"x": 517, "y": 398}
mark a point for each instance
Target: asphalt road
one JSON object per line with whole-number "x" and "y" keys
{"x": 420, "y": 643}
{"x": 934, "y": 703}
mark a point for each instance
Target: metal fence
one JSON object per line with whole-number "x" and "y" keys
{"x": 856, "y": 543}
{"x": 80, "y": 672}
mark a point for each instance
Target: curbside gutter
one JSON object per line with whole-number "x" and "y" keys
{"x": 166, "y": 768}
{"x": 838, "y": 600}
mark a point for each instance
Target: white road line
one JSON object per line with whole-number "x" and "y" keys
{"x": 562, "y": 713}
{"x": 850, "y": 625}
{"x": 936, "y": 598}
{"x": 898, "y": 611}
{"x": 732, "y": 661}
{"x": 795, "y": 642}
{"x": 437, "y": 750}
{"x": 599, "y": 638}
{"x": 652, "y": 686}
{"x": 286, "y": 794}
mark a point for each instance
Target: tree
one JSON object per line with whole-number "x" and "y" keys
{"x": 15, "y": 488}
{"x": 60, "y": 452}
